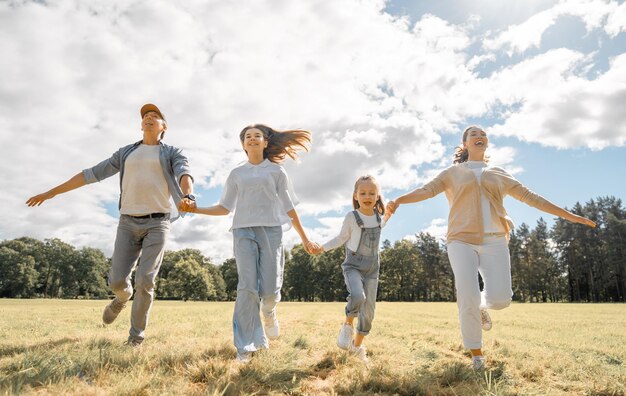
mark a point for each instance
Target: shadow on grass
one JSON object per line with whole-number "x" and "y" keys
{"x": 214, "y": 370}
{"x": 343, "y": 374}
{"x": 52, "y": 362}
{"x": 445, "y": 378}
{"x": 10, "y": 350}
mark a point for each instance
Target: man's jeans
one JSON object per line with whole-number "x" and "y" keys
{"x": 145, "y": 237}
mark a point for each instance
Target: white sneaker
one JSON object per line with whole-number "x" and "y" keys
{"x": 346, "y": 334}
{"x": 272, "y": 327}
{"x": 478, "y": 362}
{"x": 359, "y": 351}
{"x": 485, "y": 319}
{"x": 244, "y": 357}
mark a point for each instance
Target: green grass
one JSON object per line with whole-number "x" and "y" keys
{"x": 60, "y": 347}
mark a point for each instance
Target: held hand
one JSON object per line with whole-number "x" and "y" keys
{"x": 312, "y": 247}
{"x": 187, "y": 205}
{"x": 39, "y": 199}
{"x": 387, "y": 216}
{"x": 308, "y": 246}
{"x": 391, "y": 207}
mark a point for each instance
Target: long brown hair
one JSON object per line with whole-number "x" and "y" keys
{"x": 379, "y": 206}
{"x": 281, "y": 144}
{"x": 460, "y": 153}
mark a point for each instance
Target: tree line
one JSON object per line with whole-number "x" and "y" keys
{"x": 564, "y": 263}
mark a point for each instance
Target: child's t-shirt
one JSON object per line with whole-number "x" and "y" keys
{"x": 260, "y": 195}
{"x": 351, "y": 232}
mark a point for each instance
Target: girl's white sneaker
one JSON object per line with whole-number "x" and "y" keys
{"x": 359, "y": 351}
{"x": 272, "y": 327}
{"x": 244, "y": 357}
{"x": 478, "y": 362}
{"x": 346, "y": 334}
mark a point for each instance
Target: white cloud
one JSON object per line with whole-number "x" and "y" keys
{"x": 559, "y": 108}
{"x": 376, "y": 92}
{"x": 438, "y": 228}
{"x": 616, "y": 21}
{"x": 504, "y": 157}
{"x": 519, "y": 38}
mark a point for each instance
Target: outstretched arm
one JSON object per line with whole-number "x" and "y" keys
{"x": 215, "y": 210}
{"x": 523, "y": 194}
{"x": 75, "y": 182}
{"x": 553, "y": 209}
{"x": 416, "y": 195}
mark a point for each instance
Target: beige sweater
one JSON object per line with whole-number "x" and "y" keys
{"x": 465, "y": 222}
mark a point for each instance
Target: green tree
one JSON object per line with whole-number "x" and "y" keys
{"x": 228, "y": 269}
{"x": 59, "y": 260}
{"x": 299, "y": 278}
{"x": 90, "y": 271}
{"x": 400, "y": 270}
{"x": 329, "y": 281}
{"x": 437, "y": 283}
{"x": 188, "y": 280}
{"x": 215, "y": 276}
{"x": 18, "y": 276}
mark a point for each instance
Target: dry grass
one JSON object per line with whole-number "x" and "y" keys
{"x": 60, "y": 347}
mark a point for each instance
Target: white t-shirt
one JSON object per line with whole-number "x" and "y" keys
{"x": 144, "y": 188}
{"x": 350, "y": 233}
{"x": 260, "y": 195}
{"x": 489, "y": 224}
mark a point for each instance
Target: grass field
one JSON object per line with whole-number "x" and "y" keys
{"x": 60, "y": 347}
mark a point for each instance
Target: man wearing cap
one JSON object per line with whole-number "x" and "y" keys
{"x": 150, "y": 173}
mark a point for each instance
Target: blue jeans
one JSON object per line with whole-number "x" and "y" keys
{"x": 145, "y": 237}
{"x": 260, "y": 262}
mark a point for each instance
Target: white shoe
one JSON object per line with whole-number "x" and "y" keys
{"x": 272, "y": 327}
{"x": 478, "y": 362}
{"x": 359, "y": 351}
{"x": 346, "y": 334}
{"x": 244, "y": 357}
{"x": 485, "y": 320}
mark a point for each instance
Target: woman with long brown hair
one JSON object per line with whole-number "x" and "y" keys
{"x": 260, "y": 194}
{"x": 478, "y": 232}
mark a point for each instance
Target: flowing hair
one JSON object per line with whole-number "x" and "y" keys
{"x": 281, "y": 144}
{"x": 379, "y": 206}
{"x": 460, "y": 153}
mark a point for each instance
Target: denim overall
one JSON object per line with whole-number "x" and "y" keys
{"x": 360, "y": 272}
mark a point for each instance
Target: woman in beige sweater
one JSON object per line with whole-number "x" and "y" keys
{"x": 478, "y": 232}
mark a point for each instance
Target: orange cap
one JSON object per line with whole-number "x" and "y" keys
{"x": 150, "y": 107}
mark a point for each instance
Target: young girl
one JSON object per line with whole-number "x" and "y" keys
{"x": 361, "y": 235}
{"x": 260, "y": 194}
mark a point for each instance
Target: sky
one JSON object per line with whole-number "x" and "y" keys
{"x": 385, "y": 87}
